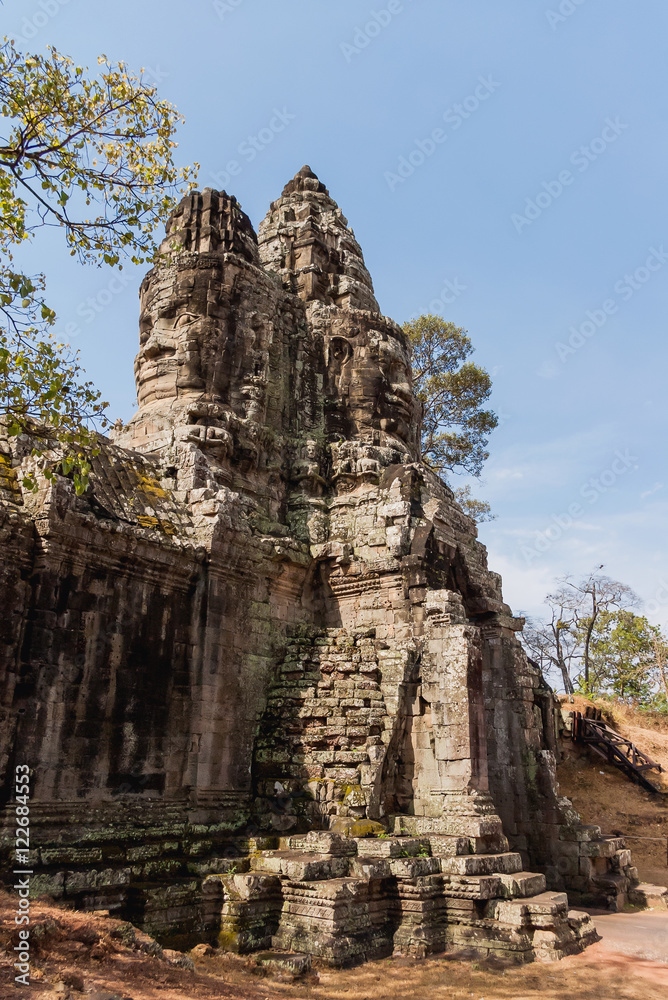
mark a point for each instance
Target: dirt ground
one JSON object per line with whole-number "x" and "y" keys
{"x": 79, "y": 956}
{"x": 91, "y": 957}
{"x": 605, "y": 797}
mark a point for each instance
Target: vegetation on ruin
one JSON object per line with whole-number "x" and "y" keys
{"x": 94, "y": 156}
{"x": 599, "y": 645}
{"x": 453, "y": 390}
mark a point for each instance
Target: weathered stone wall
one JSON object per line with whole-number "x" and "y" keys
{"x": 17, "y": 543}
{"x": 267, "y": 616}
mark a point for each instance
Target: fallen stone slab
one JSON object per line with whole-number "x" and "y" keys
{"x": 655, "y": 897}
{"x": 295, "y": 963}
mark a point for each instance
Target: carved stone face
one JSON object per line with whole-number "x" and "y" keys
{"x": 399, "y": 409}
{"x": 372, "y": 386}
{"x": 182, "y": 350}
{"x": 194, "y": 346}
{"x": 221, "y": 345}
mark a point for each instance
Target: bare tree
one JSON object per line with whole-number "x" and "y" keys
{"x": 565, "y": 640}
{"x": 585, "y": 601}
{"x": 553, "y": 644}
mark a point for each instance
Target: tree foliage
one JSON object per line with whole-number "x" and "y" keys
{"x": 623, "y": 657}
{"x": 478, "y": 509}
{"x": 598, "y": 644}
{"x": 455, "y": 427}
{"x": 583, "y": 603}
{"x": 95, "y": 157}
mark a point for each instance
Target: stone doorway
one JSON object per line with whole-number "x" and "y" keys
{"x": 411, "y": 769}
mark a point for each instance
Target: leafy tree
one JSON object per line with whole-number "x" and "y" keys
{"x": 479, "y": 510}
{"x": 455, "y": 427}
{"x": 587, "y": 601}
{"x": 660, "y": 647}
{"x": 578, "y": 610}
{"x": 623, "y": 657}
{"x": 93, "y": 156}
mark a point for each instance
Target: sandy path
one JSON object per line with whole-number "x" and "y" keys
{"x": 623, "y": 966}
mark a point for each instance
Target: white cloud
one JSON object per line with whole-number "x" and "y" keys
{"x": 649, "y": 493}
{"x": 631, "y": 544}
{"x": 549, "y": 369}
{"x": 563, "y": 464}
{"x": 508, "y": 474}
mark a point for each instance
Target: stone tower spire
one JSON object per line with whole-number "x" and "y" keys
{"x": 211, "y": 222}
{"x": 306, "y": 239}
{"x": 213, "y": 331}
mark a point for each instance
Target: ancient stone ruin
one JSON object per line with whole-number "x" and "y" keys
{"x": 267, "y": 686}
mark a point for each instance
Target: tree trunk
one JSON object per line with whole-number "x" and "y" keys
{"x": 660, "y": 656}
{"x": 590, "y": 630}
{"x": 568, "y": 683}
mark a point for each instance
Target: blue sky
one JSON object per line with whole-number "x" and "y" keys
{"x": 501, "y": 163}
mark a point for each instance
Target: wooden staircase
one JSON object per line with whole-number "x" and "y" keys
{"x": 590, "y": 730}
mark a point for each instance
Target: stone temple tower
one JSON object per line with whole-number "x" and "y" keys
{"x": 267, "y": 631}
{"x": 306, "y": 240}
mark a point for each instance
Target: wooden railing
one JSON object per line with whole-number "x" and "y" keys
{"x": 613, "y": 748}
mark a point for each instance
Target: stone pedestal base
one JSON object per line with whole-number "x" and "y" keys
{"x": 348, "y": 901}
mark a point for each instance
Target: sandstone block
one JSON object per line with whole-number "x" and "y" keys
{"x": 655, "y": 897}
{"x": 392, "y": 847}
{"x": 444, "y": 847}
{"x": 602, "y": 848}
{"x": 521, "y": 884}
{"x": 472, "y": 886}
{"x": 481, "y": 864}
{"x": 413, "y": 867}
{"x": 581, "y": 833}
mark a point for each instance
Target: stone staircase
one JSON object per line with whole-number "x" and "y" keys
{"x": 347, "y": 900}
